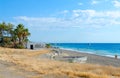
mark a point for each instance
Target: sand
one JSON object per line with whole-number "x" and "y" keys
{"x": 95, "y": 59}
{"x": 91, "y": 58}
{"x": 22, "y": 63}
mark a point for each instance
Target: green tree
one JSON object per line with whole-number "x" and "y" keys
{"x": 5, "y": 35}
{"x": 19, "y": 32}
{"x": 2, "y": 28}
{"x": 14, "y": 38}
{"x": 25, "y": 35}
{"x": 2, "y": 32}
{"x": 22, "y": 34}
{"x": 17, "y": 37}
{"x": 9, "y": 29}
{"x": 48, "y": 45}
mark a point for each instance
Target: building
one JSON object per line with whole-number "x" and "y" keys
{"x": 35, "y": 46}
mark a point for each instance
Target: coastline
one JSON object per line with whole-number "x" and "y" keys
{"x": 92, "y": 52}
{"x": 102, "y": 49}
{"x": 22, "y": 63}
{"x": 94, "y": 59}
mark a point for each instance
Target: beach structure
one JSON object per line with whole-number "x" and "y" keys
{"x": 56, "y": 52}
{"x": 53, "y": 55}
{"x": 76, "y": 59}
{"x": 35, "y": 46}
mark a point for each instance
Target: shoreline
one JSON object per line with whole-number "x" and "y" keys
{"x": 94, "y": 59}
{"x": 90, "y": 52}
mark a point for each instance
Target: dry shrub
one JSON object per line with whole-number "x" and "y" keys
{"x": 25, "y": 59}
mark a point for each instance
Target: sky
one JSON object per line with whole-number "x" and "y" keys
{"x": 65, "y": 21}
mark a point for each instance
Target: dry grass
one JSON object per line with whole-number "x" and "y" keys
{"x": 26, "y": 60}
{"x": 35, "y": 53}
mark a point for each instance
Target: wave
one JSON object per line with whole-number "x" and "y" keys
{"x": 96, "y": 52}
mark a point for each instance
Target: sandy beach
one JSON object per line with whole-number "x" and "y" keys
{"x": 95, "y": 59}
{"x": 22, "y": 63}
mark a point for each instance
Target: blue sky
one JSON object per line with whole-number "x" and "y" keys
{"x": 79, "y": 21}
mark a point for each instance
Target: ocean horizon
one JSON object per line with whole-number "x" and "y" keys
{"x": 102, "y": 49}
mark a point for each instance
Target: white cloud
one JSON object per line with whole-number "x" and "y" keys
{"x": 64, "y": 12}
{"x": 116, "y": 3}
{"x": 94, "y": 2}
{"x": 77, "y": 19}
{"x": 83, "y": 13}
{"x": 80, "y": 3}
{"x": 45, "y": 23}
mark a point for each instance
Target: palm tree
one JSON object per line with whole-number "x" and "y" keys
{"x": 19, "y": 32}
{"x": 2, "y": 32}
{"x": 9, "y": 29}
{"x": 25, "y": 35}
{"x": 2, "y": 28}
{"x": 16, "y": 37}
{"x": 22, "y": 34}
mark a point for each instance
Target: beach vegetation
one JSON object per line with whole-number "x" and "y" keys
{"x": 13, "y": 37}
{"x": 28, "y": 61}
{"x": 48, "y": 45}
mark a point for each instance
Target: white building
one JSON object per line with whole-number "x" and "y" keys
{"x": 34, "y": 46}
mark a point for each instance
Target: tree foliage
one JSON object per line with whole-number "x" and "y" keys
{"x": 13, "y": 37}
{"x": 48, "y": 45}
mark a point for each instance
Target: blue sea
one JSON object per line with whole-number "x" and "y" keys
{"x": 103, "y": 49}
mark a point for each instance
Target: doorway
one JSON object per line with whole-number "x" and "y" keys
{"x": 31, "y": 47}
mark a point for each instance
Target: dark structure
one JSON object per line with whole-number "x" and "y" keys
{"x": 31, "y": 47}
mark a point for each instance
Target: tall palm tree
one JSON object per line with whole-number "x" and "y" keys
{"x": 10, "y": 36}
{"x": 8, "y": 33}
{"x": 2, "y": 28}
{"x": 19, "y": 32}
{"x": 2, "y": 32}
{"x": 22, "y": 34}
{"x": 25, "y": 35}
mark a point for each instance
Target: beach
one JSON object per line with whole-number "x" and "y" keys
{"x": 24, "y": 63}
{"x": 95, "y": 59}
{"x": 91, "y": 58}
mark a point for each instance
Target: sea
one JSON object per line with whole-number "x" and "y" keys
{"x": 102, "y": 49}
